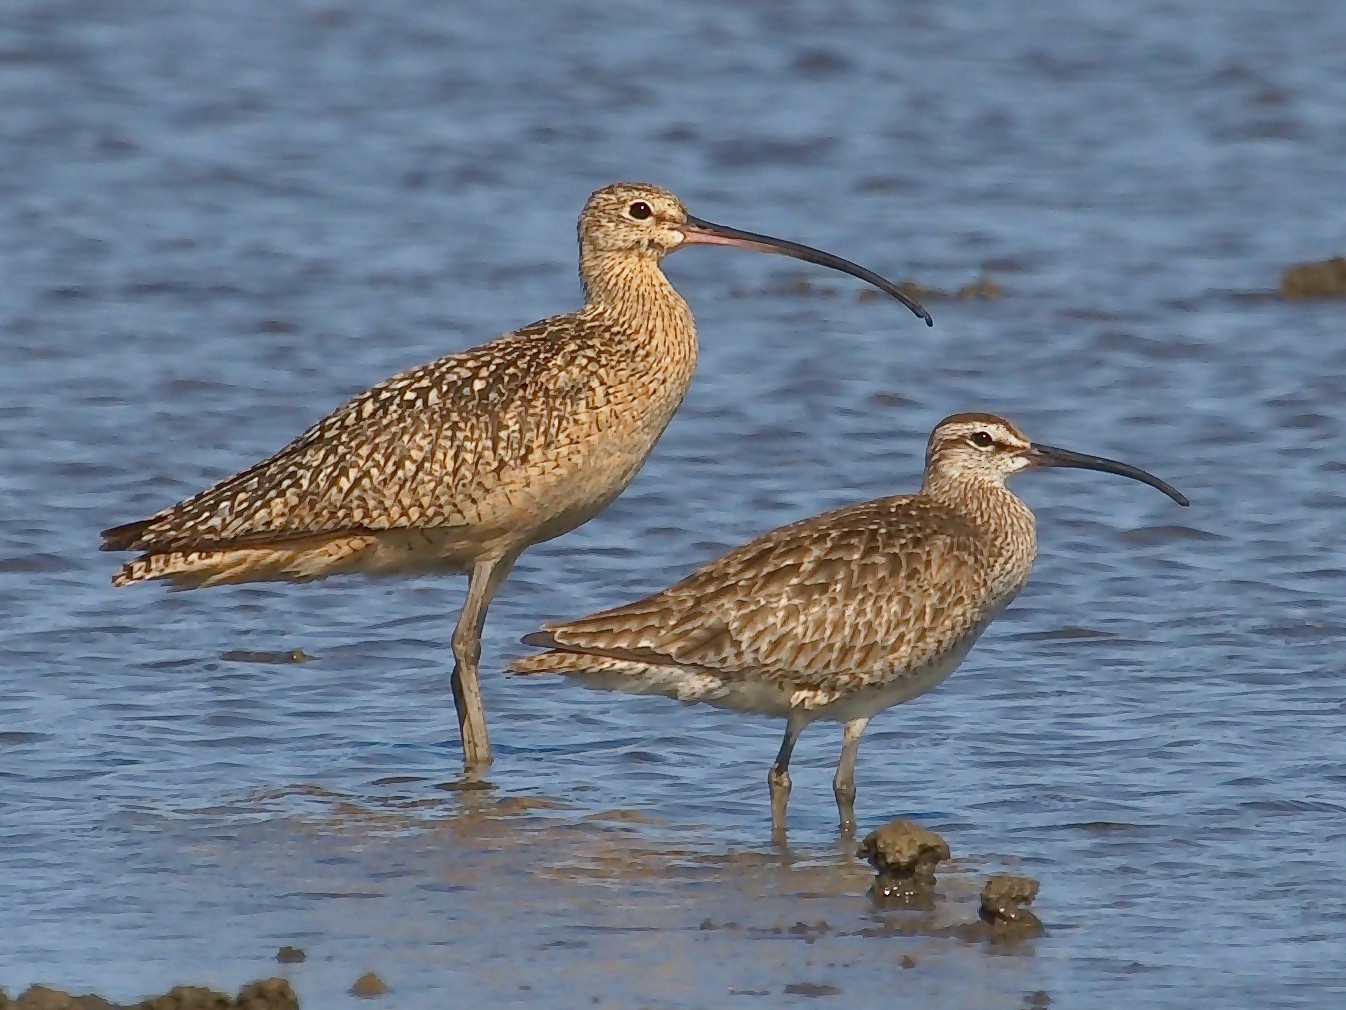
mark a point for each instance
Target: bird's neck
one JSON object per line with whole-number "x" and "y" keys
{"x": 632, "y": 292}
{"x": 1007, "y": 523}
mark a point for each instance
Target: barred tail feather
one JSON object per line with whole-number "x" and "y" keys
{"x": 291, "y": 561}
{"x": 195, "y": 569}
{"x": 603, "y": 673}
{"x": 125, "y": 537}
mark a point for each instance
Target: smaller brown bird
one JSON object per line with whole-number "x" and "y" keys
{"x": 841, "y": 616}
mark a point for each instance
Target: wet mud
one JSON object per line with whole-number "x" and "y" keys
{"x": 982, "y": 289}
{"x": 253, "y": 656}
{"x": 1319, "y": 279}
{"x": 1005, "y": 898}
{"x": 904, "y": 856}
{"x": 264, "y": 994}
{"x": 368, "y": 986}
{"x": 808, "y": 286}
{"x": 1003, "y": 915}
{"x": 476, "y": 865}
{"x": 811, "y": 989}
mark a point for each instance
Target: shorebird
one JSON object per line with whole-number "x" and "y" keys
{"x": 840, "y": 616}
{"x": 461, "y": 464}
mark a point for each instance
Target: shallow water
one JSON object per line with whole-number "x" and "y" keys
{"x": 216, "y": 221}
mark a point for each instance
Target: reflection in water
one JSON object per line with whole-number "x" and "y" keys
{"x": 599, "y": 901}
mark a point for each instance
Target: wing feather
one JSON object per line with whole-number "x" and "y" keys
{"x": 856, "y": 592}
{"x": 416, "y": 450}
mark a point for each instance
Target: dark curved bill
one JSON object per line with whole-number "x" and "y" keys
{"x": 699, "y": 232}
{"x": 1050, "y": 455}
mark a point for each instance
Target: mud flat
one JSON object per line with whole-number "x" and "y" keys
{"x": 806, "y": 286}
{"x": 509, "y": 899}
{"x": 982, "y": 289}
{"x": 264, "y": 994}
{"x": 1319, "y": 279}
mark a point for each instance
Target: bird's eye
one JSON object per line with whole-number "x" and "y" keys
{"x": 982, "y": 439}
{"x": 640, "y": 210}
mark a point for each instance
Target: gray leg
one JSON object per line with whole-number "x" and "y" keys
{"x": 485, "y": 580}
{"x": 843, "y": 785}
{"x": 778, "y": 779}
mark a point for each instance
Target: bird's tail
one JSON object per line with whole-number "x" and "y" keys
{"x": 297, "y": 560}
{"x": 628, "y": 676}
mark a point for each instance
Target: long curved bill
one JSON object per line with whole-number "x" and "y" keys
{"x": 699, "y": 232}
{"x": 1049, "y": 455}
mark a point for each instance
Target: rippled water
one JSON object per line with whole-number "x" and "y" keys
{"x": 217, "y": 221}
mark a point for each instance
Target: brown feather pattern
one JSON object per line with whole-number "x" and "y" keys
{"x": 844, "y": 599}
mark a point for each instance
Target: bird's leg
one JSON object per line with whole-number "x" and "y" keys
{"x": 484, "y": 582}
{"x": 778, "y": 779}
{"x": 843, "y": 785}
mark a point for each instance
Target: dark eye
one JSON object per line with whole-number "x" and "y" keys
{"x": 639, "y": 210}
{"x": 982, "y": 439}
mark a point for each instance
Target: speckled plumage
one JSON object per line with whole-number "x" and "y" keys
{"x": 836, "y": 617}
{"x": 532, "y": 433}
{"x": 461, "y": 464}
{"x": 830, "y": 604}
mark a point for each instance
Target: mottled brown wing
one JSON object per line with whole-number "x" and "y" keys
{"x": 412, "y": 451}
{"x": 854, "y": 592}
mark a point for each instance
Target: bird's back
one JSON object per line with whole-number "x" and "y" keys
{"x": 495, "y": 440}
{"x": 837, "y": 602}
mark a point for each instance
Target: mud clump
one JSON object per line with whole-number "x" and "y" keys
{"x": 904, "y": 856}
{"x": 982, "y": 289}
{"x": 369, "y": 985}
{"x": 799, "y": 286}
{"x": 904, "y": 849}
{"x": 265, "y": 994}
{"x": 40, "y": 997}
{"x": 253, "y": 656}
{"x": 1004, "y": 902}
{"x": 182, "y": 996}
{"x": 810, "y": 931}
{"x": 811, "y": 989}
{"x": 1004, "y": 916}
{"x": 1323, "y": 279}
